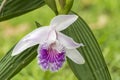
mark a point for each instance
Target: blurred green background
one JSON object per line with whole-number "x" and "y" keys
{"x": 103, "y": 16}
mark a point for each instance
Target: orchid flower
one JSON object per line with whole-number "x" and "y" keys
{"x": 54, "y": 46}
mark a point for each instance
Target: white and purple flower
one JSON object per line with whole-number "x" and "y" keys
{"x": 54, "y": 46}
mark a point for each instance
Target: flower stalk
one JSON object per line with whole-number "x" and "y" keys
{"x": 52, "y": 5}
{"x": 64, "y": 6}
{"x": 60, "y": 6}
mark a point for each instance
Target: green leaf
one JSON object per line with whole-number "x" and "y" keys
{"x": 95, "y": 67}
{"x": 10, "y": 66}
{"x": 14, "y": 8}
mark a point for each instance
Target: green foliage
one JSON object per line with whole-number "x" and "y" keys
{"x": 107, "y": 36}
{"x": 110, "y": 47}
{"x": 10, "y": 66}
{"x": 95, "y": 67}
{"x": 14, "y": 8}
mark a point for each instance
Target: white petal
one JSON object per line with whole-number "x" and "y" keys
{"x": 39, "y": 34}
{"x": 67, "y": 41}
{"x": 51, "y": 36}
{"x": 75, "y": 56}
{"x": 61, "y": 22}
{"x": 21, "y": 46}
{"x": 33, "y": 38}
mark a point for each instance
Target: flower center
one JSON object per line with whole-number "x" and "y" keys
{"x": 51, "y": 56}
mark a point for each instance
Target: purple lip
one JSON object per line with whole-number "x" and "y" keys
{"x": 51, "y": 59}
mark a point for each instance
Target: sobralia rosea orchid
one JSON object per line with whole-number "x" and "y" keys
{"x": 54, "y": 46}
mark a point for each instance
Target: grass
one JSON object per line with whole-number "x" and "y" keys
{"x": 101, "y": 15}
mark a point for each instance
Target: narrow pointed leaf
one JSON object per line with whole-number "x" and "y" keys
{"x": 10, "y": 66}
{"x": 37, "y": 24}
{"x": 14, "y": 8}
{"x": 95, "y": 67}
